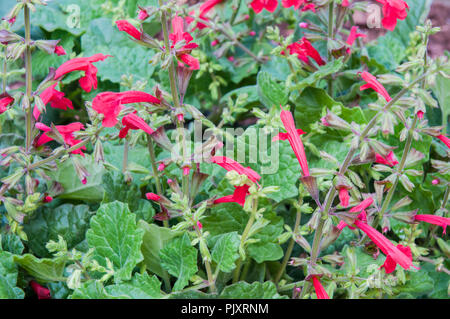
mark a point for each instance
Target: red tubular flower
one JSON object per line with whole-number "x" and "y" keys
{"x": 89, "y": 80}
{"x": 134, "y": 122}
{"x": 142, "y": 15}
{"x": 161, "y": 166}
{"x": 66, "y": 132}
{"x": 124, "y": 25}
{"x": 41, "y": 292}
{"x": 435, "y": 220}
{"x": 305, "y": 50}
{"x": 294, "y": 139}
{"x": 5, "y": 100}
{"x": 231, "y": 165}
{"x": 345, "y": 3}
{"x": 177, "y": 35}
{"x": 204, "y": 9}
{"x": 310, "y": 7}
{"x": 259, "y": 5}
{"x": 320, "y": 291}
{"x": 390, "y": 264}
{"x": 353, "y": 36}
{"x": 110, "y": 103}
{"x": 389, "y": 160}
{"x": 362, "y": 206}
{"x": 372, "y": 83}
{"x": 48, "y": 199}
{"x": 55, "y": 98}
{"x": 240, "y": 192}
{"x": 395, "y": 254}
{"x": 295, "y": 3}
{"x": 444, "y": 139}
{"x": 153, "y": 196}
{"x": 344, "y": 197}
{"x": 393, "y": 10}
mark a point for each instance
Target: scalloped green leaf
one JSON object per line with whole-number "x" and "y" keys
{"x": 256, "y": 290}
{"x": 225, "y": 251}
{"x": 43, "y": 269}
{"x": 271, "y": 93}
{"x": 141, "y": 286}
{"x": 114, "y": 235}
{"x": 8, "y": 278}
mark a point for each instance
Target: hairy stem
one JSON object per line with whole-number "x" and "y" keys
{"x": 125, "y": 157}
{"x": 211, "y": 280}
{"x": 330, "y": 37}
{"x": 28, "y": 79}
{"x": 5, "y": 70}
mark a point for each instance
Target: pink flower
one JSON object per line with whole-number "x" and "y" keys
{"x": 344, "y": 197}
{"x": 232, "y": 165}
{"x": 389, "y": 160}
{"x": 390, "y": 264}
{"x": 142, "y": 15}
{"x": 110, "y": 103}
{"x": 372, "y": 83}
{"x": 66, "y": 132}
{"x": 204, "y": 10}
{"x": 178, "y": 35}
{"x": 5, "y": 100}
{"x": 41, "y": 292}
{"x": 303, "y": 25}
{"x": 395, "y": 254}
{"x": 48, "y": 199}
{"x": 444, "y": 139}
{"x": 252, "y": 33}
{"x": 362, "y": 206}
{"x": 420, "y": 114}
{"x": 59, "y": 50}
{"x": 295, "y": 3}
{"x": 345, "y": 3}
{"x": 89, "y": 80}
{"x": 292, "y": 135}
{"x": 186, "y": 170}
{"x": 354, "y": 35}
{"x": 161, "y": 166}
{"x": 259, "y": 5}
{"x": 435, "y": 181}
{"x": 214, "y": 43}
{"x": 133, "y": 122}
{"x": 305, "y": 50}
{"x": 199, "y": 225}
{"x": 435, "y": 220}
{"x": 393, "y": 10}
{"x": 153, "y": 196}
{"x": 55, "y": 98}
{"x": 320, "y": 291}
{"x": 239, "y": 195}
{"x": 231, "y": 58}
{"x": 124, "y": 25}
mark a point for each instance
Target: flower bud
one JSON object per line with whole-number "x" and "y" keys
{"x": 334, "y": 121}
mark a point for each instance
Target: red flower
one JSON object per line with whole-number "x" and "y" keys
{"x": 48, "y": 199}
{"x": 240, "y": 192}
{"x": 320, "y": 291}
{"x": 5, "y": 100}
{"x": 393, "y": 10}
{"x": 389, "y": 160}
{"x": 345, "y": 3}
{"x": 293, "y": 137}
{"x": 395, "y": 254}
{"x": 344, "y": 197}
{"x": 390, "y": 264}
{"x": 55, "y": 98}
{"x": 435, "y": 220}
{"x": 177, "y": 35}
{"x": 444, "y": 140}
{"x": 309, "y": 6}
{"x": 59, "y": 50}
{"x": 232, "y": 165}
{"x": 153, "y": 196}
{"x": 41, "y": 292}
{"x": 305, "y": 50}
{"x": 372, "y": 83}
{"x": 124, "y": 25}
{"x": 353, "y": 36}
{"x": 362, "y": 206}
{"x": 110, "y": 103}
{"x": 204, "y": 9}
{"x": 66, "y": 132}
{"x": 133, "y": 122}
{"x": 290, "y": 3}
{"x": 89, "y": 80}
{"x": 142, "y": 15}
{"x": 259, "y": 5}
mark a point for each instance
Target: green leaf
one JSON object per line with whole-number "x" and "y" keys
{"x": 155, "y": 238}
{"x": 44, "y": 269}
{"x": 270, "y": 92}
{"x": 225, "y": 251}
{"x": 191, "y": 294}
{"x": 92, "y": 290}
{"x": 140, "y": 287}
{"x": 114, "y": 235}
{"x": 69, "y": 221}
{"x": 256, "y": 290}
{"x": 418, "y": 284}
{"x": 8, "y": 278}
{"x": 11, "y": 243}
{"x": 321, "y": 73}
{"x": 443, "y": 96}
{"x": 225, "y": 218}
{"x": 73, "y": 188}
{"x": 179, "y": 258}
{"x": 133, "y": 59}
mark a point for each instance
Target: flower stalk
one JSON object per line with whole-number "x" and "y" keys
{"x": 28, "y": 79}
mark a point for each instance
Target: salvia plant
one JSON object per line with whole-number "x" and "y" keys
{"x": 222, "y": 149}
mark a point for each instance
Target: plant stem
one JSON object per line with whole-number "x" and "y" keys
{"x": 28, "y": 79}
{"x": 290, "y": 247}
{"x": 174, "y": 91}
{"x": 125, "y": 157}
{"x": 235, "y": 12}
{"x": 151, "y": 152}
{"x": 332, "y": 192}
{"x": 330, "y": 37}
{"x": 5, "y": 69}
{"x": 249, "y": 225}
{"x": 211, "y": 280}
